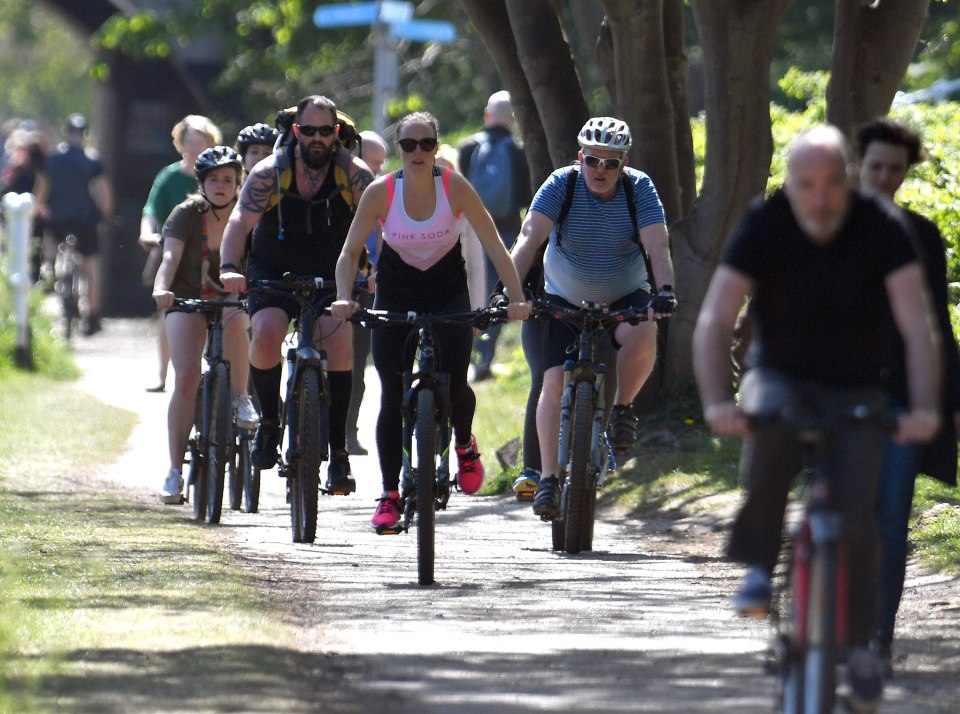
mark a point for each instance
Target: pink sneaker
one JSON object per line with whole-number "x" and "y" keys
{"x": 470, "y": 470}
{"x": 387, "y": 514}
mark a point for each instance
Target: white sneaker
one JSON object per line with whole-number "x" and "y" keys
{"x": 247, "y": 417}
{"x": 172, "y": 488}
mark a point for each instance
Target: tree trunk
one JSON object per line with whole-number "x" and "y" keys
{"x": 872, "y": 48}
{"x": 737, "y": 37}
{"x": 489, "y": 19}
{"x": 548, "y": 65}
{"x": 643, "y": 97}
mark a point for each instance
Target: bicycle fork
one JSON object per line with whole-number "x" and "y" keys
{"x": 600, "y": 448}
{"x": 440, "y": 384}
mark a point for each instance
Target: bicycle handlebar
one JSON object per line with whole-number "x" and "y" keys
{"x": 480, "y": 319}
{"x": 597, "y": 314}
{"x": 803, "y": 420}
{"x": 207, "y": 306}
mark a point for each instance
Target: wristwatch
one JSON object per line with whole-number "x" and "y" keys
{"x": 226, "y": 267}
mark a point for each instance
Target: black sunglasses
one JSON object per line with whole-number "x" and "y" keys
{"x": 595, "y": 161}
{"x": 410, "y": 145}
{"x": 307, "y": 130}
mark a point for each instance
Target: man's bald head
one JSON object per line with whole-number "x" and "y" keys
{"x": 818, "y": 184}
{"x": 499, "y": 111}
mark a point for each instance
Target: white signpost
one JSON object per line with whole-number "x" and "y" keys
{"x": 390, "y": 21}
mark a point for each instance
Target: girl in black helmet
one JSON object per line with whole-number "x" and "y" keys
{"x": 255, "y": 142}
{"x": 190, "y": 269}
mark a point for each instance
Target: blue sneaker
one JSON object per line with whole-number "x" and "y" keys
{"x": 526, "y": 483}
{"x": 755, "y": 593}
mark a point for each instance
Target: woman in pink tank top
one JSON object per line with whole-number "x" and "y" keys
{"x": 420, "y": 268}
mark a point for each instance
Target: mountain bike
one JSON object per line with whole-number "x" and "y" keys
{"x": 305, "y": 415}
{"x": 211, "y": 445}
{"x": 811, "y": 632}
{"x": 425, "y": 482}
{"x": 69, "y": 283}
{"x": 584, "y": 451}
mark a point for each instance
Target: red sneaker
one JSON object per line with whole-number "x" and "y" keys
{"x": 469, "y": 468}
{"x": 388, "y": 511}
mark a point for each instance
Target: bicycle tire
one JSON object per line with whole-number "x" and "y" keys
{"x": 219, "y": 438}
{"x": 198, "y": 470}
{"x": 308, "y": 453}
{"x": 820, "y": 653}
{"x": 249, "y": 474}
{"x": 579, "y": 489}
{"x": 426, "y": 436}
{"x": 234, "y": 474}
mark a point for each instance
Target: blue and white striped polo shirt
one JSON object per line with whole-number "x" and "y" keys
{"x": 599, "y": 258}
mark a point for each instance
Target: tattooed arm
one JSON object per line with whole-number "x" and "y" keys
{"x": 254, "y": 200}
{"x": 360, "y": 178}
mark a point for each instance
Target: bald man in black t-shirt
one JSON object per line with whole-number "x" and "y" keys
{"x": 824, "y": 267}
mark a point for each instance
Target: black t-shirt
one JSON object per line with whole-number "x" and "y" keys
{"x": 821, "y": 311}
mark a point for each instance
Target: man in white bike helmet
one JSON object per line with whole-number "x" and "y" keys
{"x": 607, "y": 242}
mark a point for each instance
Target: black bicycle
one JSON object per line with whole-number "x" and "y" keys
{"x": 69, "y": 283}
{"x": 584, "y": 451}
{"x": 211, "y": 446}
{"x": 811, "y": 631}
{"x": 425, "y": 482}
{"x": 305, "y": 415}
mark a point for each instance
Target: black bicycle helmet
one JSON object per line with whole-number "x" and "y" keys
{"x": 256, "y": 134}
{"x": 214, "y": 158}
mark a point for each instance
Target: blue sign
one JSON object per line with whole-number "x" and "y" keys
{"x": 362, "y": 13}
{"x": 424, "y": 31}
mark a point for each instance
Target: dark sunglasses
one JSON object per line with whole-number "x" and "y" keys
{"x": 307, "y": 130}
{"x": 410, "y": 145}
{"x": 595, "y": 161}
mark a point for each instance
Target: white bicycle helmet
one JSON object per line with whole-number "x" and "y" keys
{"x": 606, "y": 133}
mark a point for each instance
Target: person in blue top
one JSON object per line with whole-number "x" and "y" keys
{"x": 604, "y": 251}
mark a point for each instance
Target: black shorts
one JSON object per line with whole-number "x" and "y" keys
{"x": 88, "y": 241}
{"x": 559, "y": 339}
{"x": 256, "y": 302}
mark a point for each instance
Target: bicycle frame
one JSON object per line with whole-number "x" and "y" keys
{"x": 424, "y": 486}
{"x": 306, "y": 365}
{"x": 580, "y": 475}
{"x": 807, "y": 645}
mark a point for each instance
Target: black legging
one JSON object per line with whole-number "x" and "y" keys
{"x": 393, "y": 352}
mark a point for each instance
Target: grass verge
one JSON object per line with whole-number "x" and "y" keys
{"x": 678, "y": 467}
{"x": 111, "y": 605}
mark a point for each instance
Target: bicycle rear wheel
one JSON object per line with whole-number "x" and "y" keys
{"x": 426, "y": 436}
{"x": 308, "y": 443}
{"x": 580, "y": 491}
{"x": 820, "y": 654}
{"x": 234, "y": 474}
{"x": 219, "y": 439}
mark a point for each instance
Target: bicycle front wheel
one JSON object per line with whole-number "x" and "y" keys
{"x": 219, "y": 439}
{"x": 820, "y": 655}
{"x": 197, "y": 481}
{"x": 308, "y": 443}
{"x": 580, "y": 491}
{"x": 249, "y": 475}
{"x": 426, "y": 435}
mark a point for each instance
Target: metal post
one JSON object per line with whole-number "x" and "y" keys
{"x": 385, "y": 74}
{"x": 18, "y": 209}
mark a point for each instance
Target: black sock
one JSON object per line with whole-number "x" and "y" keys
{"x": 341, "y": 385}
{"x": 267, "y": 384}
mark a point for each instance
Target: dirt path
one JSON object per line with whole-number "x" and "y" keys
{"x": 638, "y": 625}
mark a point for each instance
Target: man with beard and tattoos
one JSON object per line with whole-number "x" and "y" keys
{"x": 299, "y": 204}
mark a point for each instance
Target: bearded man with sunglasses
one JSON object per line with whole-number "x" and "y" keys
{"x": 299, "y": 226}
{"x": 599, "y": 249}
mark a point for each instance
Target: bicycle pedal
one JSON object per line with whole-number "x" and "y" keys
{"x": 548, "y": 519}
{"x": 525, "y": 495}
{"x": 336, "y": 492}
{"x": 390, "y": 530}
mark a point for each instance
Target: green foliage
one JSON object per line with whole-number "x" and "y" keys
{"x": 44, "y": 67}
{"x": 279, "y": 55}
